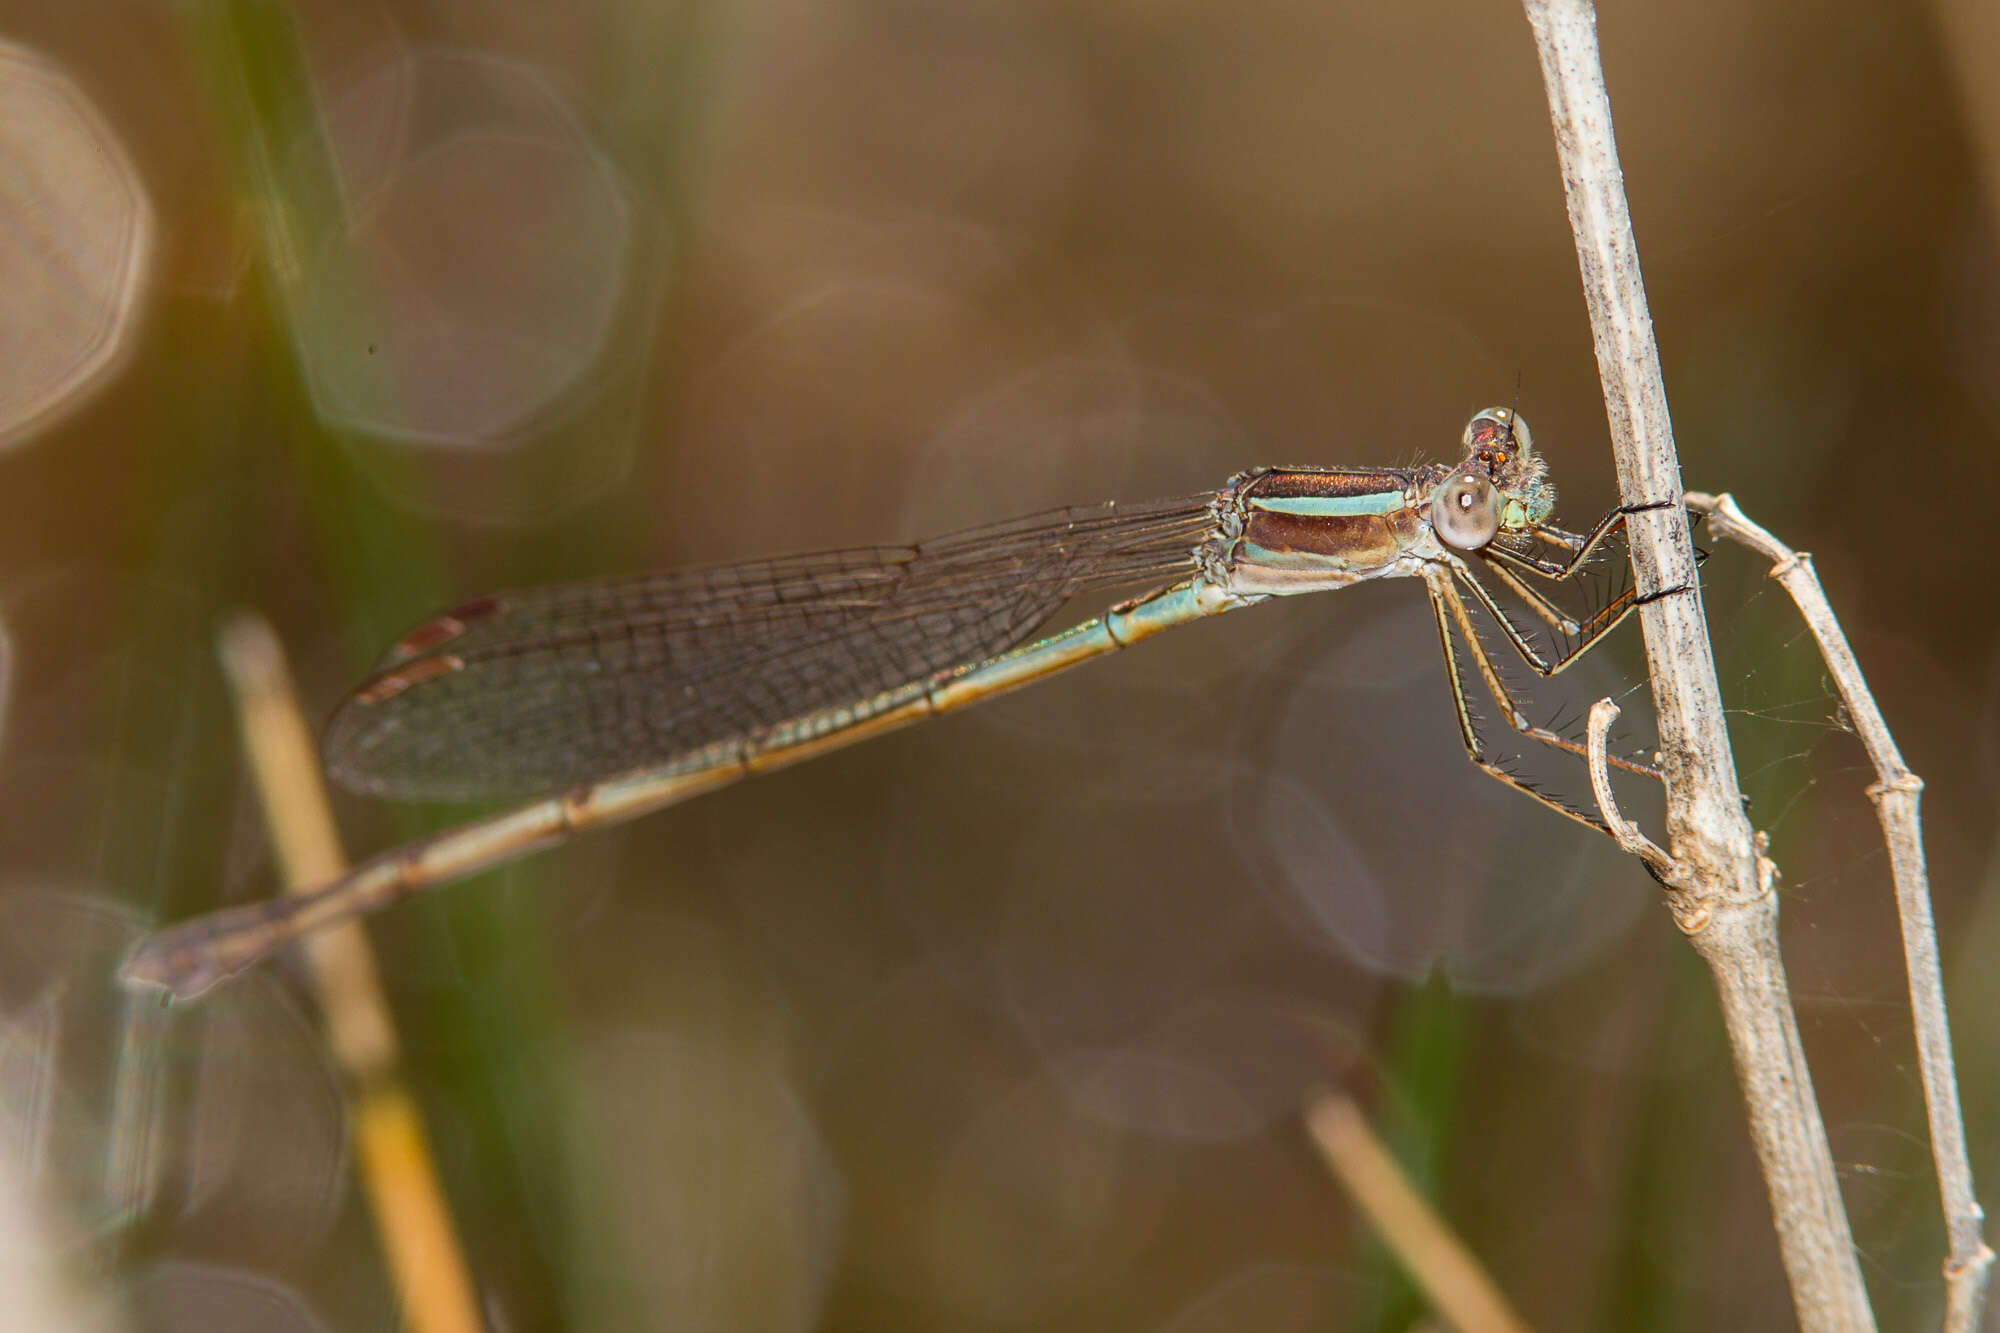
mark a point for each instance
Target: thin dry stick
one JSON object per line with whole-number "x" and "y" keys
{"x": 1458, "y": 1288}
{"x": 403, "y": 1188}
{"x": 1623, "y": 831}
{"x": 1718, "y": 894}
{"x": 1895, "y": 795}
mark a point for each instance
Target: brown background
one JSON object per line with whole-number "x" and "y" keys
{"x": 1003, "y": 1023}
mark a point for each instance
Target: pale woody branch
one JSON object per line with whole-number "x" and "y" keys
{"x": 1719, "y": 883}
{"x": 1895, "y": 794}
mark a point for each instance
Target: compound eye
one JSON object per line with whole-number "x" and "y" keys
{"x": 1497, "y": 426}
{"x": 1465, "y": 512}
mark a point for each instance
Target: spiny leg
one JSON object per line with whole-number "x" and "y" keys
{"x": 1509, "y": 562}
{"x": 1448, "y": 607}
{"x": 1502, "y": 563}
{"x": 1468, "y": 731}
{"x": 1516, "y": 716}
{"x": 1587, "y": 635}
{"x": 1581, "y": 546}
{"x": 1576, "y": 547}
{"x": 1552, "y": 615}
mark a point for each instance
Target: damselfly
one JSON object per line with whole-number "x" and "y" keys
{"x": 630, "y": 695}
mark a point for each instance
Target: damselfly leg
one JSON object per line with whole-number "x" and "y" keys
{"x": 1509, "y": 564}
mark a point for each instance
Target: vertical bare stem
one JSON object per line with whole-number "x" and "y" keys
{"x": 1437, "y": 1260}
{"x": 1720, "y": 886}
{"x": 1895, "y": 796}
{"x": 408, "y": 1200}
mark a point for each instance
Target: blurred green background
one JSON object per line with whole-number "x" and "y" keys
{"x": 344, "y": 313}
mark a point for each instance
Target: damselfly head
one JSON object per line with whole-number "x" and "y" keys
{"x": 1499, "y": 444}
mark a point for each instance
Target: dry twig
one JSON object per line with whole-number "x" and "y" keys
{"x": 404, "y": 1193}
{"x": 1895, "y": 794}
{"x": 1459, "y": 1289}
{"x": 1720, "y": 886}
